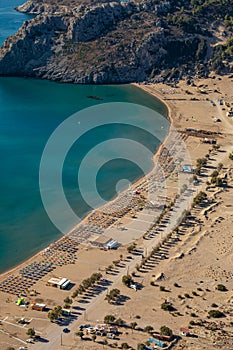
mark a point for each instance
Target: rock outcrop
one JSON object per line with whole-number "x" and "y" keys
{"x": 109, "y": 42}
{"x": 31, "y": 47}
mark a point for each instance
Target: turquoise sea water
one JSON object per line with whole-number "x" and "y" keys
{"x": 30, "y": 110}
{"x": 10, "y": 20}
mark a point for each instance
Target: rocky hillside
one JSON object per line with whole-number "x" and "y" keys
{"x": 119, "y": 42}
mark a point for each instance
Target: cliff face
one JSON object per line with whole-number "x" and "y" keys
{"x": 36, "y": 8}
{"x": 32, "y": 46}
{"x": 109, "y": 42}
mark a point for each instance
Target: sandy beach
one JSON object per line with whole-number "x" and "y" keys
{"x": 195, "y": 243}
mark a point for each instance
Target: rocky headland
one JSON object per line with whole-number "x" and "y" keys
{"x": 114, "y": 42}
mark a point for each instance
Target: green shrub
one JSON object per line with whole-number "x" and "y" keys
{"x": 221, "y": 287}
{"x": 164, "y": 330}
{"x": 216, "y": 314}
{"x": 127, "y": 280}
{"x": 214, "y": 305}
{"x": 187, "y": 295}
{"x": 167, "y": 306}
{"x": 148, "y": 329}
{"x": 109, "y": 319}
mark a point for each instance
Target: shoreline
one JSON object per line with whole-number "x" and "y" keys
{"x": 156, "y": 95}
{"x": 193, "y": 260}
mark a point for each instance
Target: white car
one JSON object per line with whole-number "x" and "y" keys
{"x": 111, "y": 336}
{"x": 133, "y": 286}
{"x": 30, "y": 341}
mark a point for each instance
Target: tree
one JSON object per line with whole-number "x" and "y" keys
{"x": 31, "y": 332}
{"x": 167, "y": 306}
{"x": 201, "y": 162}
{"x": 109, "y": 319}
{"x": 221, "y": 287}
{"x": 116, "y": 262}
{"x": 51, "y": 316}
{"x": 200, "y": 197}
{"x": 87, "y": 283}
{"x": 58, "y": 310}
{"x": 216, "y": 314}
{"x": 148, "y": 329}
{"x": 127, "y": 280}
{"x": 124, "y": 346}
{"x": 75, "y": 294}
{"x": 109, "y": 268}
{"x": 68, "y": 300}
{"x": 113, "y": 295}
{"x": 10, "y": 348}
{"x": 218, "y": 182}
{"x": 80, "y": 289}
{"x": 80, "y": 334}
{"x": 97, "y": 276}
{"x": 131, "y": 248}
{"x": 119, "y": 321}
{"x": 55, "y": 313}
{"x": 133, "y": 325}
{"x": 164, "y": 330}
{"x": 93, "y": 337}
{"x": 140, "y": 346}
{"x": 197, "y": 171}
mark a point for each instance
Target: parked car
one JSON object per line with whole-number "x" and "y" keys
{"x": 111, "y": 336}
{"x": 30, "y": 341}
{"x": 90, "y": 330}
{"x": 101, "y": 333}
{"x": 22, "y": 321}
{"x": 36, "y": 337}
{"x": 113, "y": 330}
{"x": 133, "y": 286}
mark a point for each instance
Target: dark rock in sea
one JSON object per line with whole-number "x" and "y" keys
{"x": 95, "y": 98}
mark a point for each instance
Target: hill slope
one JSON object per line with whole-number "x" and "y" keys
{"x": 119, "y": 42}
